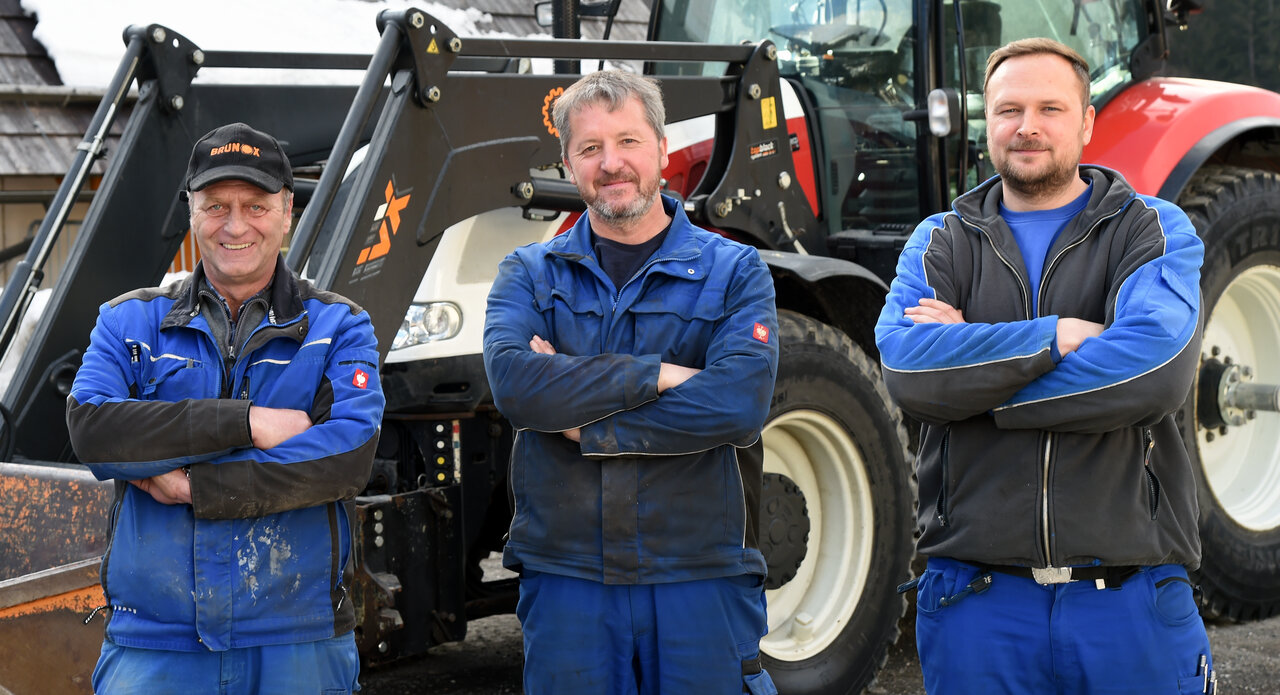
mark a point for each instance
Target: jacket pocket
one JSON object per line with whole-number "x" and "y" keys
{"x": 171, "y": 378}
{"x": 575, "y": 314}
{"x": 677, "y": 319}
{"x": 944, "y": 456}
{"x": 1153, "y": 482}
{"x": 686, "y": 299}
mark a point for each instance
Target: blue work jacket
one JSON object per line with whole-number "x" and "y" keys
{"x": 657, "y": 490}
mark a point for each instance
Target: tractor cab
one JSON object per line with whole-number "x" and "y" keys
{"x": 862, "y": 70}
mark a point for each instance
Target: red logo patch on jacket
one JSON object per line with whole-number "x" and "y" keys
{"x": 760, "y": 332}
{"x": 360, "y": 380}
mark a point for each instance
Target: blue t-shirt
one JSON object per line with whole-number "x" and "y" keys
{"x": 1035, "y": 232}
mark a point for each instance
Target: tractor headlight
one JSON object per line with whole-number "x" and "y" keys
{"x": 427, "y": 323}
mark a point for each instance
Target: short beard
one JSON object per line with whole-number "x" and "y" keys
{"x": 1038, "y": 185}
{"x": 621, "y": 214}
{"x": 626, "y": 214}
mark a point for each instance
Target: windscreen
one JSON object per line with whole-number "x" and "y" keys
{"x": 853, "y": 66}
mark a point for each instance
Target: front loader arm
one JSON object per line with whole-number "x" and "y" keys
{"x": 452, "y": 142}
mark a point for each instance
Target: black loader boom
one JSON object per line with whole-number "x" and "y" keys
{"x": 450, "y": 128}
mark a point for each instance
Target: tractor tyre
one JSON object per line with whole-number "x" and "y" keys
{"x": 1235, "y": 453}
{"x": 837, "y": 514}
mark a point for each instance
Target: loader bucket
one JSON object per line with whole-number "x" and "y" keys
{"x": 53, "y": 531}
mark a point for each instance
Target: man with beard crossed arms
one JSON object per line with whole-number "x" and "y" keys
{"x": 1044, "y": 330}
{"x": 636, "y": 356}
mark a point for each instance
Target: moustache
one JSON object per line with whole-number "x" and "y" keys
{"x": 1026, "y": 145}
{"x": 617, "y": 179}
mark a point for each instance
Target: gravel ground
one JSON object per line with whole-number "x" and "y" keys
{"x": 488, "y": 663}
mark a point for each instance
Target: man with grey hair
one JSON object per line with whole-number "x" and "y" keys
{"x": 635, "y": 355}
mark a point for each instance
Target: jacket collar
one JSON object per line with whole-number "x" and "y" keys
{"x": 981, "y": 206}
{"x": 679, "y": 244}
{"x": 285, "y": 298}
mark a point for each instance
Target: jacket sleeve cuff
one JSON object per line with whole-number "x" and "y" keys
{"x": 237, "y": 411}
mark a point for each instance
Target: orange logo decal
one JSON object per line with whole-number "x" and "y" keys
{"x": 388, "y": 221}
{"x": 547, "y": 102}
{"x": 236, "y": 147}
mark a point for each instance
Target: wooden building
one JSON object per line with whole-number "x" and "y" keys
{"x": 42, "y": 121}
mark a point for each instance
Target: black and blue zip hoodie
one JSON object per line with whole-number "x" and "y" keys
{"x": 263, "y": 555}
{"x": 1025, "y": 458}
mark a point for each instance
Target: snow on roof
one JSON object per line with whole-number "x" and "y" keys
{"x": 85, "y": 39}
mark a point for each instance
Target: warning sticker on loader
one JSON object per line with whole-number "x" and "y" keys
{"x": 769, "y": 112}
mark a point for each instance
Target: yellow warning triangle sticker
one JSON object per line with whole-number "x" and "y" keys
{"x": 432, "y": 47}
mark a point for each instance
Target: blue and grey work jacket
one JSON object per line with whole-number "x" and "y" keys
{"x": 263, "y": 554}
{"x": 1028, "y": 458}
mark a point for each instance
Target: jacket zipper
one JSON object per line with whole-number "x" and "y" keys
{"x": 645, "y": 269}
{"x": 1048, "y": 444}
{"x": 1153, "y": 483}
{"x": 1044, "y": 507}
{"x": 617, "y": 296}
{"x": 1022, "y": 286}
{"x": 1048, "y": 269}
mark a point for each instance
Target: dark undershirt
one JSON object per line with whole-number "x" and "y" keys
{"x": 622, "y": 261}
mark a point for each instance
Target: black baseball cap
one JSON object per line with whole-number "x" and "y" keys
{"x": 236, "y": 151}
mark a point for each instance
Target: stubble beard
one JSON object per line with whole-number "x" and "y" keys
{"x": 622, "y": 214}
{"x": 1036, "y": 184}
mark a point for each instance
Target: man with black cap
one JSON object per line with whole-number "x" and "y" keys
{"x": 236, "y": 411}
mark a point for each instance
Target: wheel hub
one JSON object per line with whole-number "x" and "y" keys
{"x": 1237, "y": 379}
{"x": 784, "y": 528}
{"x": 1227, "y": 398}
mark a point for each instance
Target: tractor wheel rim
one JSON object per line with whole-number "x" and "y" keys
{"x": 1239, "y": 464}
{"x": 808, "y": 613}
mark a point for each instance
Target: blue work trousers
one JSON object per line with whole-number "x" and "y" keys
{"x": 698, "y": 637}
{"x": 323, "y": 667}
{"x": 1016, "y": 636}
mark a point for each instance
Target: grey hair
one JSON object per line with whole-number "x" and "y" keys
{"x": 611, "y": 88}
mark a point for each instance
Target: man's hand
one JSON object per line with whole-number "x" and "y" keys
{"x": 167, "y": 488}
{"x": 672, "y": 375}
{"x": 271, "y": 426}
{"x": 541, "y": 346}
{"x": 1072, "y": 332}
{"x": 933, "y": 311}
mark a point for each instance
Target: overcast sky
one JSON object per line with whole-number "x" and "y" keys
{"x": 84, "y": 37}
